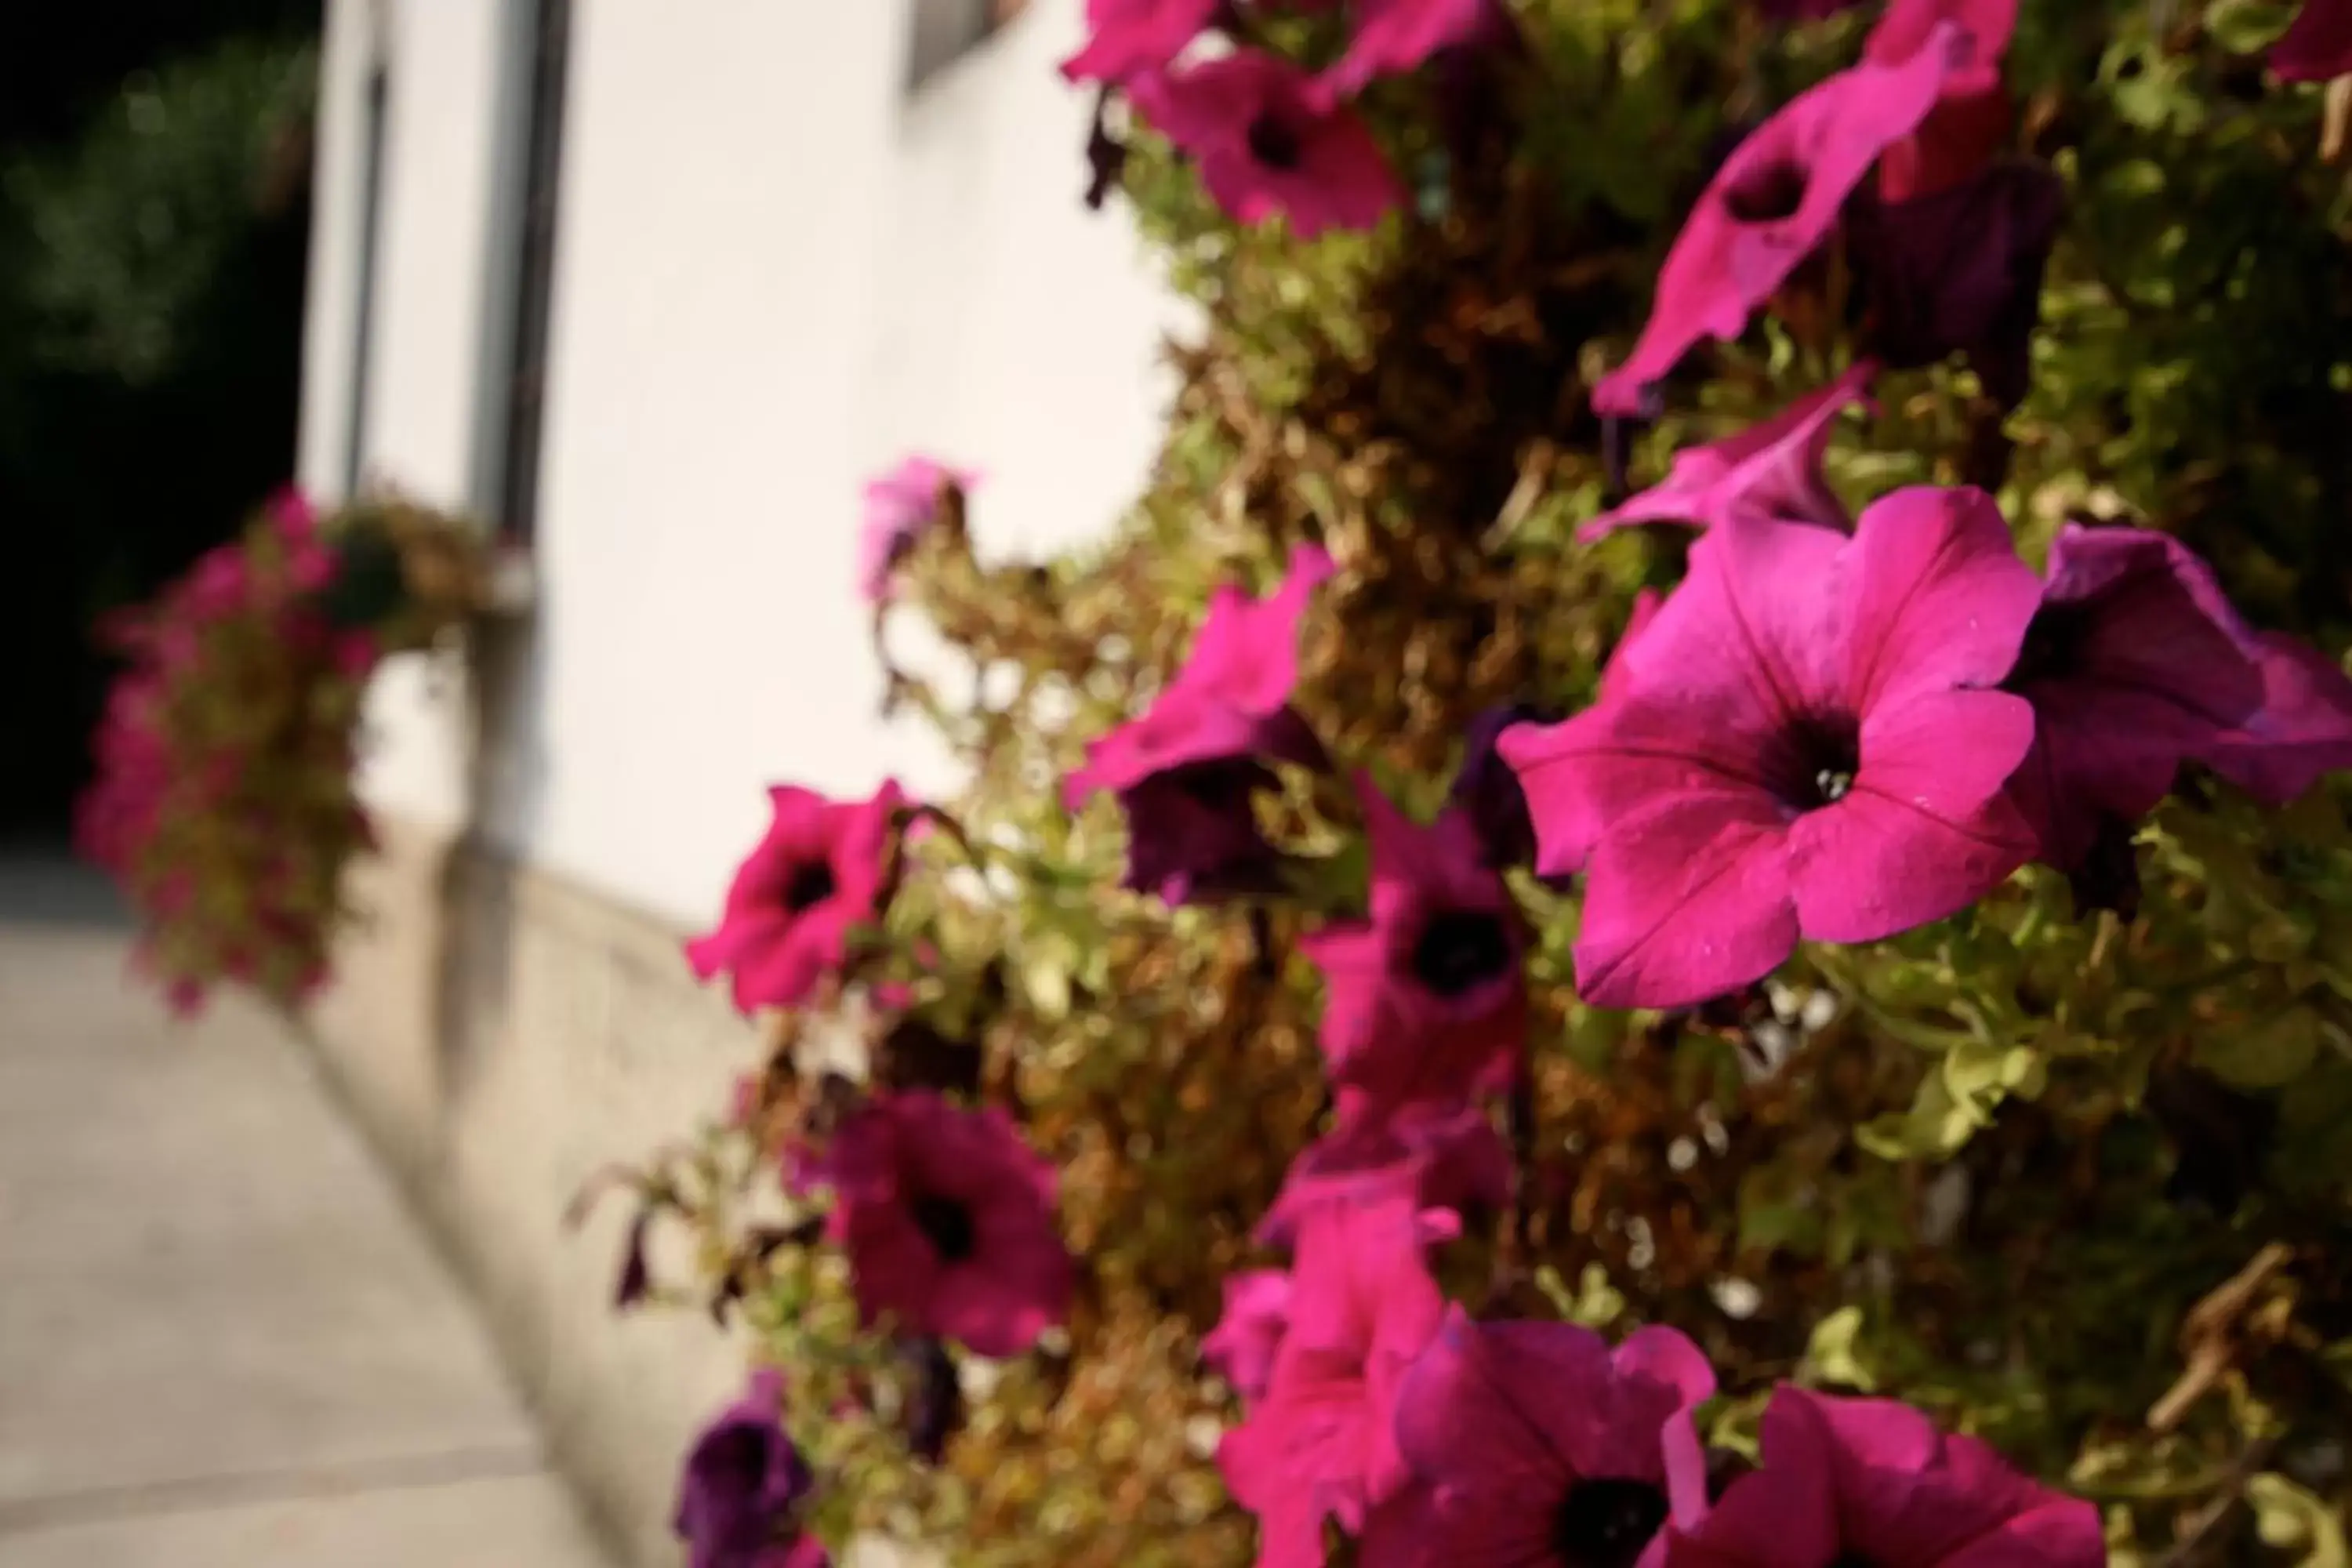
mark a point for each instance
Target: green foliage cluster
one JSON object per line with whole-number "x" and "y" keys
{"x": 128, "y": 233}
{"x": 2076, "y": 1182}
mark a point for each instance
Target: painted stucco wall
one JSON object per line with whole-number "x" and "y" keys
{"x": 778, "y": 269}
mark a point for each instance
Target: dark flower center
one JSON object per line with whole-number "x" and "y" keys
{"x": 1766, "y": 195}
{"x": 1459, "y": 950}
{"x": 811, "y": 884}
{"x": 1605, "y": 1523}
{"x": 947, "y": 1225}
{"x": 1849, "y": 1560}
{"x": 1274, "y": 141}
{"x": 2055, "y": 640}
{"x": 1817, "y": 766}
{"x": 735, "y": 1462}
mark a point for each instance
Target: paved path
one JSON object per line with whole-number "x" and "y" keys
{"x": 223, "y": 1342}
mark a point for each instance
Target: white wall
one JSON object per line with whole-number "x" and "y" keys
{"x": 777, "y": 271}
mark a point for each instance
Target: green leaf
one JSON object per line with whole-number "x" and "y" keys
{"x": 2266, "y": 1054}
{"x": 2292, "y": 1520}
{"x": 1829, "y": 1356}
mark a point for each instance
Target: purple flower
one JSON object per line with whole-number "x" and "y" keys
{"x": 743, "y": 1485}
{"x": 1869, "y": 1480}
{"x": 1193, "y": 835}
{"x": 2302, "y": 728}
{"x": 1799, "y": 745}
{"x": 1772, "y": 468}
{"x": 1771, "y": 205}
{"x": 1486, "y": 792}
{"x": 1127, "y": 39}
{"x": 1540, "y": 1445}
{"x": 1449, "y": 1157}
{"x": 1425, "y": 1000}
{"x": 900, "y": 507}
{"x": 1184, "y": 770}
{"x": 2134, "y": 663}
{"x": 1241, "y": 1348}
{"x": 2318, "y": 44}
{"x": 1392, "y": 36}
{"x": 1268, "y": 144}
{"x": 948, "y": 1219}
{"x": 1959, "y": 271}
{"x": 1972, "y": 117}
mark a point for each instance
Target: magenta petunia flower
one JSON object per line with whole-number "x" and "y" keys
{"x": 1448, "y": 1157}
{"x": 1959, "y": 271}
{"x": 1185, "y": 770}
{"x": 1269, "y": 145}
{"x": 2318, "y": 44}
{"x": 1127, "y": 39}
{"x": 1797, "y": 746}
{"x": 1393, "y": 36}
{"x": 1870, "y": 1481}
{"x": 2302, "y": 730}
{"x": 1538, "y": 1443}
{"x": 901, "y": 506}
{"x": 1424, "y": 999}
{"x": 1772, "y": 468}
{"x": 1322, "y": 1442}
{"x": 948, "y": 1219}
{"x": 2134, "y": 663}
{"x": 1242, "y": 1347}
{"x": 1771, "y": 205}
{"x": 743, "y": 1485}
{"x": 1972, "y": 117}
{"x": 815, "y": 877}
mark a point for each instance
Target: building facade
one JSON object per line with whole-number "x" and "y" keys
{"x": 650, "y": 286}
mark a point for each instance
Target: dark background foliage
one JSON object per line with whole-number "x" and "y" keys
{"x": 154, "y": 214}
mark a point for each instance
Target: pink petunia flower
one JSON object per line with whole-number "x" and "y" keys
{"x": 1772, "y": 468}
{"x": 815, "y": 876}
{"x": 2302, "y": 730}
{"x": 1127, "y": 39}
{"x": 1241, "y": 1348}
{"x": 1539, "y": 1444}
{"x": 1973, "y": 115}
{"x": 1424, "y": 999}
{"x": 1448, "y": 1157}
{"x": 901, "y": 506}
{"x": 1268, "y": 145}
{"x": 1799, "y": 745}
{"x": 1771, "y": 205}
{"x": 1391, "y": 37}
{"x": 2318, "y": 44}
{"x": 1322, "y": 1442}
{"x": 2134, "y": 663}
{"x": 1185, "y": 770}
{"x": 1870, "y": 1481}
{"x": 948, "y": 1219}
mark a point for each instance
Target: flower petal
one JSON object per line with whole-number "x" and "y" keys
{"x": 1925, "y": 830}
{"x": 1940, "y": 597}
{"x": 1686, "y": 901}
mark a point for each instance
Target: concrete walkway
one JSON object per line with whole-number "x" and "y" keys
{"x": 223, "y": 1343}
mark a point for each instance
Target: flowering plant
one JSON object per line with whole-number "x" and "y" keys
{"x": 222, "y": 799}
{"x": 1477, "y": 1028}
